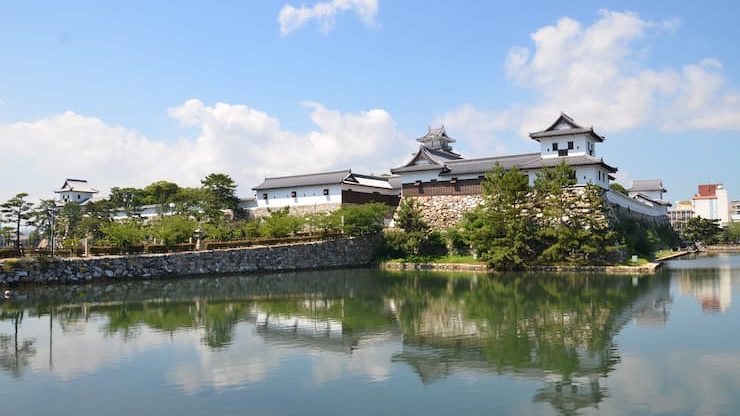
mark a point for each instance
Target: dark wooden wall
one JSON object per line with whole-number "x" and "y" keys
{"x": 460, "y": 187}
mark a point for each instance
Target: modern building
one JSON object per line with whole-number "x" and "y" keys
{"x": 680, "y": 213}
{"x": 75, "y": 190}
{"x": 711, "y": 202}
{"x": 322, "y": 192}
{"x": 735, "y": 211}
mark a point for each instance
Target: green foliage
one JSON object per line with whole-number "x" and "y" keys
{"x": 173, "y": 229}
{"x": 557, "y": 232}
{"x": 19, "y": 212}
{"x": 360, "y": 219}
{"x": 123, "y": 234}
{"x": 219, "y": 191}
{"x": 702, "y": 230}
{"x": 644, "y": 238}
{"x": 408, "y": 217}
{"x": 731, "y": 234}
{"x": 160, "y": 192}
{"x": 281, "y": 224}
{"x": 499, "y": 230}
{"x": 617, "y": 187}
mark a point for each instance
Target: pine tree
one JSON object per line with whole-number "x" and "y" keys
{"x": 18, "y": 211}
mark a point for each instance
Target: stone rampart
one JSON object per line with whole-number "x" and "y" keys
{"x": 346, "y": 252}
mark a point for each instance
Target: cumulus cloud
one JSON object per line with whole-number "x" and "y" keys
{"x": 246, "y": 143}
{"x": 599, "y": 74}
{"x": 293, "y": 18}
{"x": 478, "y": 128}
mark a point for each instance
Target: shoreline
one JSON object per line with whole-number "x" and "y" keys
{"x": 648, "y": 268}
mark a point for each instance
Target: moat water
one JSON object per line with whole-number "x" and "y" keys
{"x": 369, "y": 342}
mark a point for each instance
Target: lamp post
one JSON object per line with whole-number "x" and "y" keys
{"x": 52, "y": 211}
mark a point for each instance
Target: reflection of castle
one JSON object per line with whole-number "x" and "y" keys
{"x": 711, "y": 287}
{"x": 558, "y": 331}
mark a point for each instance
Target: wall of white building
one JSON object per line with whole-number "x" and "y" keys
{"x": 584, "y": 175}
{"x": 714, "y": 208}
{"x": 582, "y": 145}
{"x": 74, "y": 196}
{"x": 654, "y": 210}
{"x": 306, "y": 195}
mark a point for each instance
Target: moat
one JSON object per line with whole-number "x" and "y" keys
{"x": 368, "y": 342}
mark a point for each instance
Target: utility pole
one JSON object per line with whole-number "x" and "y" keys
{"x": 52, "y": 210}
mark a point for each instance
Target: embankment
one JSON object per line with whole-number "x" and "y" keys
{"x": 345, "y": 252}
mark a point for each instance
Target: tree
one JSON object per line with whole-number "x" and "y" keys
{"x": 359, "y": 219}
{"x": 123, "y": 234}
{"x": 557, "y": 232}
{"x": 280, "y": 224}
{"x": 500, "y": 230}
{"x": 18, "y": 211}
{"x": 702, "y": 230}
{"x": 596, "y": 239}
{"x": 220, "y": 193}
{"x": 174, "y": 229}
{"x": 408, "y": 217}
{"x": 731, "y": 233}
{"x": 617, "y": 187}
{"x": 128, "y": 199}
{"x": 160, "y": 192}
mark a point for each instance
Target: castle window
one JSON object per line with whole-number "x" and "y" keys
{"x": 554, "y": 147}
{"x": 264, "y": 196}
{"x": 293, "y": 194}
{"x": 570, "y": 145}
{"x": 326, "y": 191}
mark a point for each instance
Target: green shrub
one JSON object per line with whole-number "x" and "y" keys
{"x": 280, "y": 224}
{"x": 6, "y": 253}
{"x": 432, "y": 244}
{"x": 360, "y": 219}
{"x": 174, "y": 229}
{"x": 104, "y": 250}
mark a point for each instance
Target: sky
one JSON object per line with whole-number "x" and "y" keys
{"x": 124, "y": 93}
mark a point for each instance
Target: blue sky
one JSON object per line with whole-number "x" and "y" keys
{"x": 125, "y": 93}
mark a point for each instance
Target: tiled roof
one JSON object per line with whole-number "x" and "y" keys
{"x": 484, "y": 164}
{"x": 647, "y": 185}
{"x": 76, "y": 185}
{"x": 436, "y": 159}
{"x": 324, "y": 178}
{"x": 580, "y": 160}
{"x": 573, "y": 129}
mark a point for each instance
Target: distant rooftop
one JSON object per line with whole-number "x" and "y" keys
{"x": 76, "y": 185}
{"x": 643, "y": 185}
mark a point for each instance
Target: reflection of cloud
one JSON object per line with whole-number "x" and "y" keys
{"x": 85, "y": 349}
{"x": 371, "y": 358}
{"x": 260, "y": 349}
{"x": 682, "y": 382}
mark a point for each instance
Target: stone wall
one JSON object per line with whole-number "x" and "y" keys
{"x": 444, "y": 211}
{"x": 298, "y": 210}
{"x": 348, "y": 252}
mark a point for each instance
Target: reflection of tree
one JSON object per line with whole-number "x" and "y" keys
{"x": 554, "y": 327}
{"x": 15, "y": 354}
{"x": 216, "y": 318}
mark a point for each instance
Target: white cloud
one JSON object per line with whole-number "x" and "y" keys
{"x": 293, "y": 18}
{"x": 478, "y": 128}
{"x": 235, "y": 139}
{"x": 598, "y": 74}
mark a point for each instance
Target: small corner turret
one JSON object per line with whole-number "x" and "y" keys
{"x": 565, "y": 137}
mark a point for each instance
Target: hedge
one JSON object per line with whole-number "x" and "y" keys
{"x": 6, "y": 253}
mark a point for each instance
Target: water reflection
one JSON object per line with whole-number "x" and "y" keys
{"x": 556, "y": 332}
{"x": 709, "y": 283}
